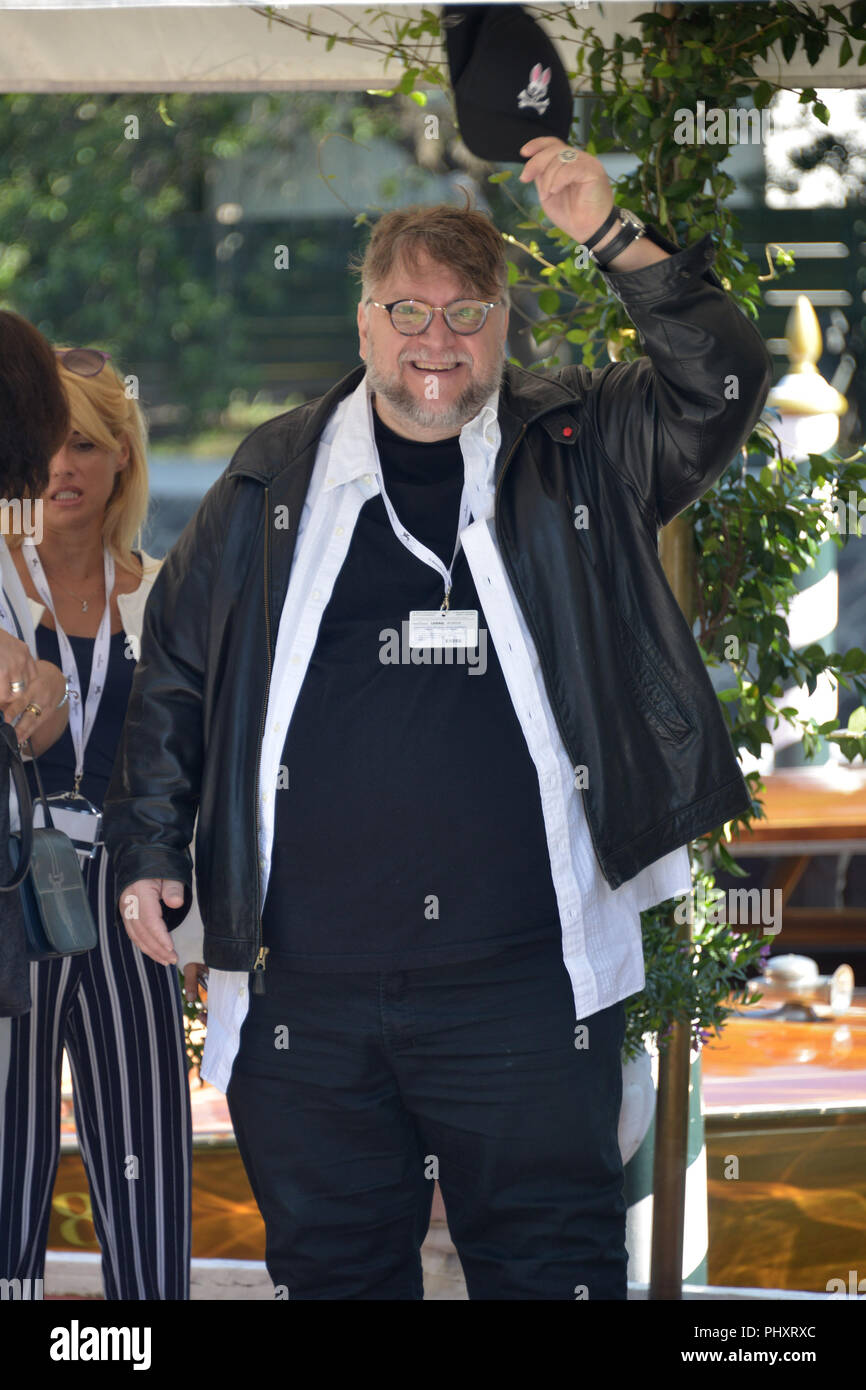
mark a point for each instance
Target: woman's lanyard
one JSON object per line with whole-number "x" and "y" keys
{"x": 7, "y": 616}
{"x": 81, "y": 715}
{"x": 431, "y": 627}
{"x": 10, "y": 583}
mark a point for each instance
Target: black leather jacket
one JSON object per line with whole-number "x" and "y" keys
{"x": 635, "y": 443}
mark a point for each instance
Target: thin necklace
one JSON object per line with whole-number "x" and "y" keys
{"x": 83, "y": 601}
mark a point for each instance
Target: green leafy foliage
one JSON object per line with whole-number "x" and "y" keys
{"x": 695, "y": 982}
{"x": 108, "y": 235}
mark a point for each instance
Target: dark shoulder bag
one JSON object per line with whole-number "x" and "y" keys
{"x": 46, "y": 872}
{"x": 14, "y": 965}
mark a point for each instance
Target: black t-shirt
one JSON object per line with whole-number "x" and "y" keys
{"x": 410, "y": 832}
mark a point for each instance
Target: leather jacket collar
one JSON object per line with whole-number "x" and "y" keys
{"x": 523, "y": 398}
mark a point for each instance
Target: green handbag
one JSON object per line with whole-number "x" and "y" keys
{"x": 54, "y": 903}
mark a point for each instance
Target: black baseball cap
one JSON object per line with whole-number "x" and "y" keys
{"x": 509, "y": 83}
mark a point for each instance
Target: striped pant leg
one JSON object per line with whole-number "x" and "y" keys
{"x": 31, "y": 1058}
{"x": 128, "y": 1060}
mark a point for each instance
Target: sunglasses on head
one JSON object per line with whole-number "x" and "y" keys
{"x": 83, "y": 361}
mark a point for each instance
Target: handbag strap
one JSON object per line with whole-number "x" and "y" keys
{"x": 25, "y": 806}
{"x": 22, "y": 789}
{"x": 41, "y": 797}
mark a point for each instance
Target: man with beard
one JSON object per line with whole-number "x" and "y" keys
{"x": 421, "y": 885}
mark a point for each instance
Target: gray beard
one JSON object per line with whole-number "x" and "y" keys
{"x": 433, "y": 416}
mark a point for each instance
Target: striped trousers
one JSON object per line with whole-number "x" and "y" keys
{"x": 118, "y": 1015}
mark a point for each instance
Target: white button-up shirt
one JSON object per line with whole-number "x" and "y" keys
{"x": 601, "y": 935}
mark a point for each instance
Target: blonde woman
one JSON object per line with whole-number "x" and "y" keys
{"x": 116, "y": 1012}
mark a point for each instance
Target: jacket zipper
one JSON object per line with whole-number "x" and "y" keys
{"x": 504, "y": 553}
{"x": 260, "y": 963}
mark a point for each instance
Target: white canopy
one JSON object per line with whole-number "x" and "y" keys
{"x": 217, "y": 45}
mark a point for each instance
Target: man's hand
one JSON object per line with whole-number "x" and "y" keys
{"x": 577, "y": 196}
{"x": 145, "y": 926}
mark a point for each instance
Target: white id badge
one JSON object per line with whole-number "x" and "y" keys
{"x": 83, "y": 827}
{"x": 429, "y": 627}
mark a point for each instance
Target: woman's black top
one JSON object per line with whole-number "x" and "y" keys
{"x": 57, "y": 763}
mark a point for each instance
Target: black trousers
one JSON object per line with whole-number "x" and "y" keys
{"x": 351, "y": 1093}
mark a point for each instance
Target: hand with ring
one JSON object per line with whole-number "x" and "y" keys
{"x": 33, "y": 712}
{"x": 573, "y": 187}
{"x": 17, "y": 673}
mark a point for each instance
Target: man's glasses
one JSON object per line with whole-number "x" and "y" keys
{"x": 83, "y": 361}
{"x": 464, "y": 316}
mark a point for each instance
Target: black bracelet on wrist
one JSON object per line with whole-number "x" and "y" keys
{"x": 625, "y": 238}
{"x": 603, "y": 229}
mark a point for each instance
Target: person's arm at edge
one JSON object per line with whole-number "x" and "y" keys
{"x": 152, "y": 800}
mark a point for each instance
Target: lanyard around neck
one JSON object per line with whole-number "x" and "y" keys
{"x": 82, "y": 715}
{"x": 415, "y": 547}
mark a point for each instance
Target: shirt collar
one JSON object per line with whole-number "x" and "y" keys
{"x": 352, "y": 451}
{"x": 484, "y": 425}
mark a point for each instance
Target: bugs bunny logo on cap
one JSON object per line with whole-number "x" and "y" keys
{"x": 534, "y": 94}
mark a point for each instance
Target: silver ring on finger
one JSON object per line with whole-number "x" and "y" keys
{"x": 569, "y": 156}
{"x": 18, "y": 687}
